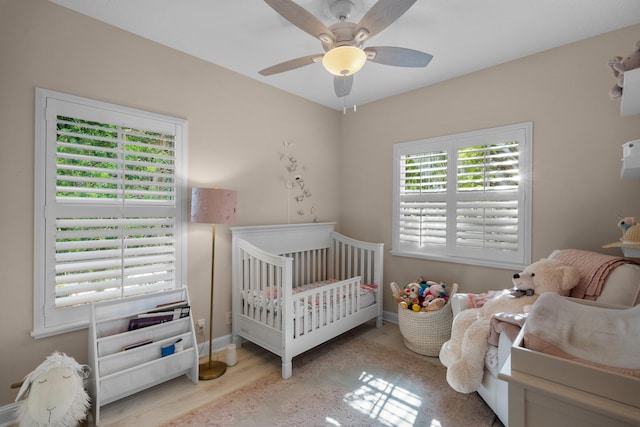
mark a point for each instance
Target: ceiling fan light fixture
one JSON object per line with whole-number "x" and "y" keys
{"x": 344, "y": 60}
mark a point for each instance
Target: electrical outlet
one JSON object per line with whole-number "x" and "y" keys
{"x": 201, "y": 326}
{"x": 228, "y": 317}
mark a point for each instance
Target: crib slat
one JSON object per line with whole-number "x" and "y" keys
{"x": 261, "y": 283}
{"x": 243, "y": 280}
{"x": 267, "y": 293}
{"x": 341, "y": 262}
{"x": 276, "y": 285}
{"x": 322, "y": 313}
{"x": 315, "y": 310}
{"x": 361, "y": 258}
{"x": 336, "y": 300}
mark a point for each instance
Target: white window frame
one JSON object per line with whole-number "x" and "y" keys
{"x": 50, "y": 319}
{"x": 512, "y": 258}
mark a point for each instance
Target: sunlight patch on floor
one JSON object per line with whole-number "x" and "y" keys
{"x": 385, "y": 402}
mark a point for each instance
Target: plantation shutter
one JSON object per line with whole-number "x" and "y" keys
{"x": 423, "y": 190}
{"x": 112, "y": 211}
{"x": 464, "y": 198}
{"x": 487, "y": 208}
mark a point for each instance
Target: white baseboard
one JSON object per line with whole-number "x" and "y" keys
{"x": 8, "y": 415}
{"x": 218, "y": 345}
{"x": 390, "y": 316}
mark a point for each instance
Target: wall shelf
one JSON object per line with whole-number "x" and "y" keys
{"x": 629, "y": 106}
{"x": 630, "y": 103}
{"x": 630, "y": 160}
{"x": 118, "y": 373}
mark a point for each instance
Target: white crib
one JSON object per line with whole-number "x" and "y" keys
{"x": 296, "y": 286}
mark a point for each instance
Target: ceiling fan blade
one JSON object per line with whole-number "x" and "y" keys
{"x": 342, "y": 85}
{"x": 397, "y": 56}
{"x": 291, "y": 64}
{"x": 301, "y": 18}
{"x": 381, "y": 15}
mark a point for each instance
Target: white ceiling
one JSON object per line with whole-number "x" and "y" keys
{"x": 463, "y": 36}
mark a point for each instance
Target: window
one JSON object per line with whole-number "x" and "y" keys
{"x": 109, "y": 207}
{"x": 465, "y": 198}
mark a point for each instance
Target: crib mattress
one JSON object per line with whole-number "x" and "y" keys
{"x": 269, "y": 299}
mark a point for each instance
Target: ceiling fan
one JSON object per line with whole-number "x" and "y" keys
{"x": 343, "y": 41}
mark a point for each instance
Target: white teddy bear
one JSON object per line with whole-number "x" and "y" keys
{"x": 464, "y": 353}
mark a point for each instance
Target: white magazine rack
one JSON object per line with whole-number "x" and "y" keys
{"x": 118, "y": 373}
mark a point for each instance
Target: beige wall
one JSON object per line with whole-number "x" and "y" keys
{"x": 236, "y": 127}
{"x": 577, "y": 138}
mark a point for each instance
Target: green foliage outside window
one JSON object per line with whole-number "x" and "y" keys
{"x": 98, "y": 160}
{"x": 479, "y": 168}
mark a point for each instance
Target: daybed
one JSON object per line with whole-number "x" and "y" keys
{"x": 296, "y": 286}
{"x": 620, "y": 286}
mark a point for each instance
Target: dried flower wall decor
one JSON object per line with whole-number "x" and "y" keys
{"x": 297, "y": 190}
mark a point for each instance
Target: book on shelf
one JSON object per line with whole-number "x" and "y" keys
{"x": 171, "y": 304}
{"x": 160, "y": 314}
{"x": 137, "y": 344}
{"x": 143, "y": 322}
{"x": 178, "y": 312}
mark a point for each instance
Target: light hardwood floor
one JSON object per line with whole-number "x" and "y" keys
{"x": 161, "y": 403}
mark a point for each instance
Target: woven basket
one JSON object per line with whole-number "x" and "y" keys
{"x": 425, "y": 331}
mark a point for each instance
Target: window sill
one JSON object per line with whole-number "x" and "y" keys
{"x": 460, "y": 260}
{"x": 42, "y": 332}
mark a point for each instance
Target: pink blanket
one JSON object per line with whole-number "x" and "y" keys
{"x": 593, "y": 267}
{"x": 505, "y": 323}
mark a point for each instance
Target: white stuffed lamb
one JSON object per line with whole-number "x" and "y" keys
{"x": 53, "y": 394}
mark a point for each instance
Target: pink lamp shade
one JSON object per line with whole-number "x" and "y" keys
{"x": 213, "y": 206}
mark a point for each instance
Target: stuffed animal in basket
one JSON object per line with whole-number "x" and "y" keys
{"x": 464, "y": 353}
{"x": 408, "y": 297}
{"x": 434, "y": 296}
{"x": 433, "y": 305}
{"x": 412, "y": 293}
{"x": 619, "y": 65}
{"x": 436, "y": 290}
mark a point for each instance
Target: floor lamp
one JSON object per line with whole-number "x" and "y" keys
{"x": 212, "y": 206}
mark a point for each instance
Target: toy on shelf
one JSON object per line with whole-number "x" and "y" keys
{"x": 626, "y": 223}
{"x": 619, "y": 65}
{"x": 630, "y": 240}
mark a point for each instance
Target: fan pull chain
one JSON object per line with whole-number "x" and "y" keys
{"x": 344, "y": 107}
{"x": 344, "y": 98}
